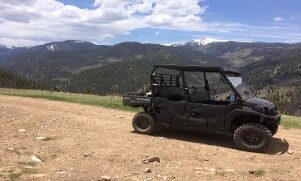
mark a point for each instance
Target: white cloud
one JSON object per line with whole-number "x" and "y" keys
{"x": 278, "y": 19}
{"x": 157, "y": 33}
{"x": 29, "y": 22}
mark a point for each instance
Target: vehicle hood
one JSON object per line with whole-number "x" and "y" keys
{"x": 258, "y": 102}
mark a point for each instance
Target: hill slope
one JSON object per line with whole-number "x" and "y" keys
{"x": 7, "y": 52}
{"x": 53, "y": 60}
{"x": 270, "y": 70}
{"x": 9, "y": 80}
{"x": 85, "y": 67}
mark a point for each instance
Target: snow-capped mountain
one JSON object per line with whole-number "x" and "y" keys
{"x": 7, "y": 51}
{"x": 7, "y": 47}
{"x": 69, "y": 44}
{"x": 196, "y": 42}
{"x": 50, "y": 48}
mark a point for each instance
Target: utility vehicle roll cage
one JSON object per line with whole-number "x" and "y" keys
{"x": 193, "y": 68}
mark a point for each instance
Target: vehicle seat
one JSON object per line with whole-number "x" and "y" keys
{"x": 171, "y": 93}
{"x": 202, "y": 95}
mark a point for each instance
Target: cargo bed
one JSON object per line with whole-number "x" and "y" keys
{"x": 136, "y": 99}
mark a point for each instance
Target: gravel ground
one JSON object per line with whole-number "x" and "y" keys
{"x": 47, "y": 140}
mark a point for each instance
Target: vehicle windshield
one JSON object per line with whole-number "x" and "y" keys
{"x": 239, "y": 85}
{"x": 236, "y": 81}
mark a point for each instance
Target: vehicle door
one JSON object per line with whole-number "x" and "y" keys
{"x": 169, "y": 99}
{"x": 207, "y": 100}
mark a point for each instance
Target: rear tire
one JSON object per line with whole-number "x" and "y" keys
{"x": 253, "y": 137}
{"x": 144, "y": 123}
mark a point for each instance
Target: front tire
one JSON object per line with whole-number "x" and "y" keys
{"x": 144, "y": 123}
{"x": 252, "y": 137}
{"x": 274, "y": 130}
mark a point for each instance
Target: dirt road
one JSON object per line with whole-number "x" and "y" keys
{"x": 46, "y": 140}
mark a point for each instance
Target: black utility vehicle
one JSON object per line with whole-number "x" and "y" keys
{"x": 206, "y": 99}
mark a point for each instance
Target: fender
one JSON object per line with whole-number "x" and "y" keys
{"x": 230, "y": 117}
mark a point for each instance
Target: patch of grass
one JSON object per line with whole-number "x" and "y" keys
{"x": 291, "y": 122}
{"x": 14, "y": 176}
{"x": 220, "y": 173}
{"x": 113, "y": 102}
{"x": 257, "y": 173}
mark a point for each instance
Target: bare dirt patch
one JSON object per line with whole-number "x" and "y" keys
{"x": 90, "y": 143}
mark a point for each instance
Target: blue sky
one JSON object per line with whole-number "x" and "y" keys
{"x": 30, "y": 22}
{"x": 271, "y": 13}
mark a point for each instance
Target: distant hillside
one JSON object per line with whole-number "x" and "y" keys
{"x": 277, "y": 77}
{"x": 54, "y": 60}
{"x": 9, "y": 80}
{"x": 68, "y": 64}
{"x": 270, "y": 70}
{"x": 7, "y": 52}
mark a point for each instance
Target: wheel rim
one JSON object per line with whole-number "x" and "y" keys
{"x": 252, "y": 138}
{"x": 143, "y": 124}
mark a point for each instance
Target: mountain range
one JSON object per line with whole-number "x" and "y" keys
{"x": 271, "y": 70}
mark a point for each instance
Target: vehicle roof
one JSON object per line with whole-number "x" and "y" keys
{"x": 198, "y": 68}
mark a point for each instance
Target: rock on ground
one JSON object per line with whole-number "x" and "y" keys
{"x": 147, "y": 170}
{"x": 105, "y": 178}
{"x": 34, "y": 158}
{"x": 154, "y": 159}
